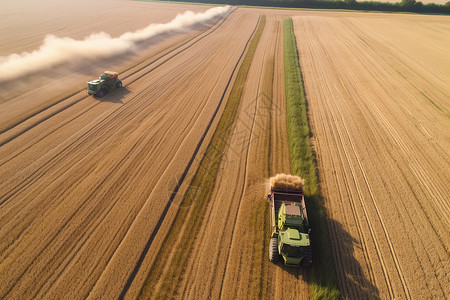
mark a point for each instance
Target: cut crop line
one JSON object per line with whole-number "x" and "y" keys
{"x": 205, "y": 33}
{"x": 414, "y": 165}
{"x": 382, "y": 223}
{"x": 215, "y": 148}
{"x": 265, "y": 282}
{"x": 358, "y": 189}
{"x": 334, "y": 138}
{"x": 73, "y": 214}
{"x": 426, "y": 131}
{"x": 244, "y": 186}
{"x": 242, "y": 193}
{"x": 77, "y": 140}
{"x": 61, "y": 125}
{"x": 356, "y": 216}
{"x": 39, "y": 121}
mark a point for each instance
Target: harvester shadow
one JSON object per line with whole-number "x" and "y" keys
{"x": 299, "y": 273}
{"x": 350, "y": 276}
{"x": 115, "y": 96}
{"x": 352, "y": 280}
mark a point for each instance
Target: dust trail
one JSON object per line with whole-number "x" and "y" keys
{"x": 56, "y": 51}
{"x": 287, "y": 182}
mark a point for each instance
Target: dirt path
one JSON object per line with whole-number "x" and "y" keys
{"x": 379, "y": 112}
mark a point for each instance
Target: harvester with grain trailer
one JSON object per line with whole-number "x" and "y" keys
{"x": 290, "y": 239}
{"x": 106, "y": 83}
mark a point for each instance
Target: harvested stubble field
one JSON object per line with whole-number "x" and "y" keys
{"x": 87, "y": 185}
{"x": 423, "y": 1}
{"x": 378, "y": 91}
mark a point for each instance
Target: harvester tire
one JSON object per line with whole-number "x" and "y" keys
{"x": 273, "y": 251}
{"x": 307, "y": 260}
{"x": 100, "y": 93}
{"x": 119, "y": 84}
{"x": 306, "y": 263}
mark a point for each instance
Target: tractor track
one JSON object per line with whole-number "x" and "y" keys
{"x": 91, "y": 196}
{"x": 354, "y": 212}
{"x": 243, "y": 188}
{"x": 141, "y": 66}
{"x": 34, "y": 176}
{"x": 180, "y": 181}
{"x": 418, "y": 164}
{"x": 343, "y": 135}
{"x": 81, "y": 138}
{"x": 372, "y": 196}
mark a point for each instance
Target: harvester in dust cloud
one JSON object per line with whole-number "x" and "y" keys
{"x": 107, "y": 82}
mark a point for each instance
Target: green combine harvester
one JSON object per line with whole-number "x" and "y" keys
{"x": 107, "y": 82}
{"x": 290, "y": 227}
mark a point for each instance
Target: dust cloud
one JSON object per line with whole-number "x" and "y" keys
{"x": 56, "y": 51}
{"x": 287, "y": 182}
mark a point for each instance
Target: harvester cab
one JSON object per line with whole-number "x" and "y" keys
{"x": 293, "y": 237}
{"x": 290, "y": 215}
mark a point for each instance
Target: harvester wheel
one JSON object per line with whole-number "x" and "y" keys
{"x": 119, "y": 84}
{"x": 100, "y": 93}
{"x": 273, "y": 250}
{"x": 307, "y": 260}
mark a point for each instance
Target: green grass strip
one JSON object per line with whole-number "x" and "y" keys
{"x": 193, "y": 206}
{"x": 322, "y": 281}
